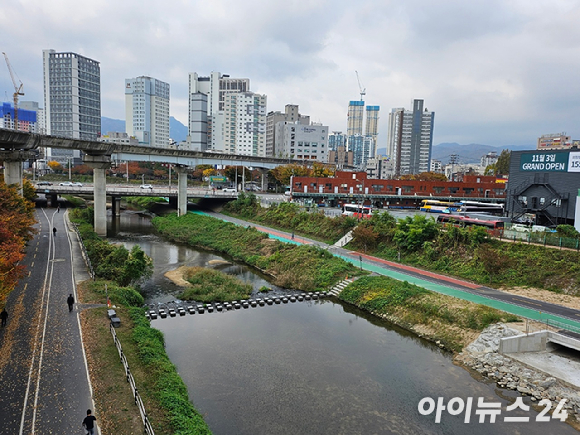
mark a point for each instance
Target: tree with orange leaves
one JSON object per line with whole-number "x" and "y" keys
{"x": 16, "y": 228}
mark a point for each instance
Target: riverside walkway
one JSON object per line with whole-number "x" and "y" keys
{"x": 555, "y": 315}
{"x": 44, "y": 380}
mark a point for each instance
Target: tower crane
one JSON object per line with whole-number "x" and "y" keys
{"x": 17, "y": 90}
{"x": 360, "y": 88}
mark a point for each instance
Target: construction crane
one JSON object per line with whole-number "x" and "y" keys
{"x": 17, "y": 90}
{"x": 360, "y": 88}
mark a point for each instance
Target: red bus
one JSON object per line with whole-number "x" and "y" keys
{"x": 465, "y": 221}
{"x": 357, "y": 211}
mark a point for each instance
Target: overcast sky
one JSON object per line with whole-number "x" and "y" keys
{"x": 495, "y": 72}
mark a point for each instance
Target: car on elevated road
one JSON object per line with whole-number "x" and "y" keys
{"x": 71, "y": 184}
{"x": 44, "y": 183}
{"x": 229, "y": 190}
{"x": 146, "y": 186}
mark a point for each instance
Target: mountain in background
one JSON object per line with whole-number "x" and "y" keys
{"x": 471, "y": 153}
{"x": 177, "y": 131}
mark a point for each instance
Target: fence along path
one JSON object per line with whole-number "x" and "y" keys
{"x": 131, "y": 380}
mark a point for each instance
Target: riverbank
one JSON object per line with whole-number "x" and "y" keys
{"x": 508, "y": 372}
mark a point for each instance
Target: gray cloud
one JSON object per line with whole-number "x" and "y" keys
{"x": 496, "y": 72}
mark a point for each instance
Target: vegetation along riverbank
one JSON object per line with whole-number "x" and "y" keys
{"x": 162, "y": 390}
{"x": 303, "y": 267}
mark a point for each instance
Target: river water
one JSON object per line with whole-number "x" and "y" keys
{"x": 317, "y": 367}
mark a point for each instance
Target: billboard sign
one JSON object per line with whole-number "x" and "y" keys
{"x": 544, "y": 162}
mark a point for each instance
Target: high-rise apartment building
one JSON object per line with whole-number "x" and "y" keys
{"x": 290, "y": 115}
{"x": 335, "y": 140}
{"x": 27, "y": 120}
{"x": 216, "y": 87}
{"x": 72, "y": 99}
{"x": 372, "y": 122}
{"x": 147, "y": 111}
{"x": 244, "y": 124}
{"x": 34, "y": 107}
{"x": 355, "y": 118}
{"x": 362, "y": 146}
{"x": 410, "y": 139}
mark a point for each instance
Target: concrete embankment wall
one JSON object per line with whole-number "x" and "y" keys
{"x": 536, "y": 342}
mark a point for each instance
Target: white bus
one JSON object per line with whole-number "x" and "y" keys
{"x": 357, "y": 211}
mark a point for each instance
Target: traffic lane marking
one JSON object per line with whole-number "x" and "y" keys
{"x": 528, "y": 302}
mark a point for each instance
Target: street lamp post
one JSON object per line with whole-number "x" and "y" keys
{"x": 69, "y": 167}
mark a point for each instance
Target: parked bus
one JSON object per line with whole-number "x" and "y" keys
{"x": 433, "y": 206}
{"x": 465, "y": 221}
{"x": 357, "y": 211}
{"x": 484, "y": 207}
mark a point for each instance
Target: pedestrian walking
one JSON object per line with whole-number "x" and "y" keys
{"x": 54, "y": 231}
{"x": 89, "y": 423}
{"x": 58, "y": 208}
{"x": 70, "y": 301}
{"x": 292, "y": 235}
{"x": 4, "y": 316}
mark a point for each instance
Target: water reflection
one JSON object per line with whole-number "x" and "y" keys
{"x": 317, "y": 367}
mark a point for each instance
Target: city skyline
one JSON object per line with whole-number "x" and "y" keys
{"x": 496, "y": 73}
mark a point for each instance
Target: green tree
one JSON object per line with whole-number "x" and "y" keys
{"x": 413, "y": 232}
{"x": 502, "y": 166}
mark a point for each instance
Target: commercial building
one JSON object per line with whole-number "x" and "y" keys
{"x": 357, "y": 187}
{"x": 72, "y": 99}
{"x": 216, "y": 87}
{"x": 543, "y": 186}
{"x": 147, "y": 111}
{"x": 244, "y": 124}
{"x": 302, "y": 142}
{"x": 363, "y": 149}
{"x": 489, "y": 159}
{"x": 410, "y": 139}
{"x": 292, "y": 115}
{"x": 380, "y": 168}
{"x": 557, "y": 141}
{"x": 340, "y": 157}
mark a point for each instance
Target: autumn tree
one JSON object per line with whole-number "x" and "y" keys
{"x": 365, "y": 237}
{"x": 322, "y": 170}
{"x": 283, "y": 173}
{"x": 55, "y": 166}
{"x": 16, "y": 228}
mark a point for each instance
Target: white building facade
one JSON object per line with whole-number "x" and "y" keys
{"x": 147, "y": 111}
{"x": 244, "y": 124}
{"x": 302, "y": 142}
{"x": 216, "y": 87}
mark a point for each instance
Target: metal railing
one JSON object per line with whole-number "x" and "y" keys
{"x": 131, "y": 380}
{"x": 560, "y": 325}
{"x": 540, "y": 238}
{"x": 84, "y": 251}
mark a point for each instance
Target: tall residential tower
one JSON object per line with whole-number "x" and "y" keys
{"x": 72, "y": 99}
{"x": 410, "y": 139}
{"x": 147, "y": 111}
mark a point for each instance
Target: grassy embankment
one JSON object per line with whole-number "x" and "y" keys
{"x": 163, "y": 391}
{"x": 291, "y": 218}
{"x": 469, "y": 253}
{"x": 208, "y": 285}
{"x": 450, "y": 321}
{"x": 306, "y": 268}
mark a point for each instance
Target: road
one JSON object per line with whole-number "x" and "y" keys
{"x": 44, "y": 382}
{"x": 556, "y": 315}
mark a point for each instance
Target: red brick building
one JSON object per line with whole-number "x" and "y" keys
{"x": 354, "y": 186}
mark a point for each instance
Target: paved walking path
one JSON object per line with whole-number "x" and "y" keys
{"x": 44, "y": 382}
{"x": 556, "y": 315}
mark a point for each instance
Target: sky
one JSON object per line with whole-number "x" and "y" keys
{"x": 495, "y": 72}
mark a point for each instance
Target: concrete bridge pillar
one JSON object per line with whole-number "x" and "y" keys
{"x": 115, "y": 205}
{"x": 13, "y": 166}
{"x": 99, "y": 163}
{"x": 181, "y": 190}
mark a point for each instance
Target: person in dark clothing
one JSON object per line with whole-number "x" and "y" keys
{"x": 89, "y": 423}
{"x": 4, "y": 316}
{"x": 70, "y": 301}
{"x": 58, "y": 208}
{"x": 54, "y": 231}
